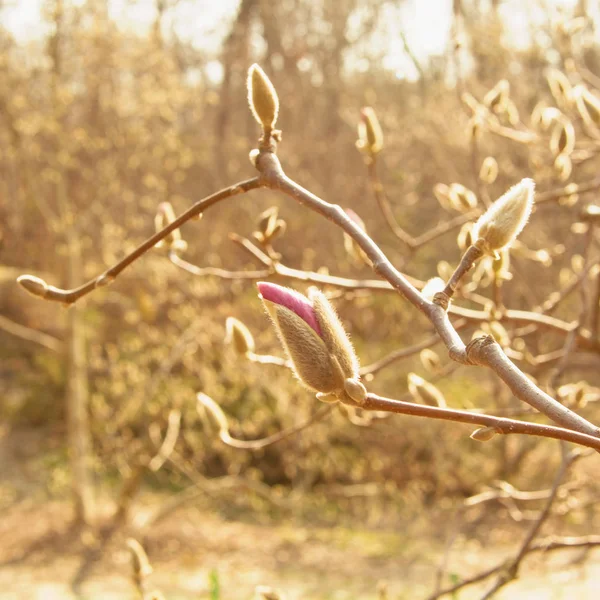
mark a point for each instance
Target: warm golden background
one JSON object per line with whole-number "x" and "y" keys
{"x": 108, "y": 109}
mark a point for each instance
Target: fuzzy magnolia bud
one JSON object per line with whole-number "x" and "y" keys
{"x": 262, "y": 97}
{"x": 370, "y": 135}
{"x": 311, "y": 333}
{"x": 502, "y": 222}
{"x": 34, "y": 285}
{"x": 424, "y": 391}
{"x": 239, "y": 336}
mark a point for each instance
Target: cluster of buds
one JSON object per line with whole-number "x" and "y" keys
{"x": 314, "y": 339}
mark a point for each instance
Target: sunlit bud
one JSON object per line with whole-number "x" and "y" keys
{"x": 432, "y": 287}
{"x": 563, "y": 166}
{"x": 238, "y": 335}
{"x": 560, "y": 86}
{"x": 356, "y": 390}
{"x": 461, "y": 198}
{"x": 496, "y": 98}
{"x": 502, "y": 222}
{"x": 484, "y": 434}
{"x": 489, "y": 170}
{"x": 350, "y": 246}
{"x": 562, "y": 140}
{"x": 442, "y": 192}
{"x": 424, "y": 391}
{"x": 430, "y": 360}
{"x": 279, "y": 229}
{"x": 548, "y": 115}
{"x": 262, "y": 97}
{"x": 588, "y": 106}
{"x": 370, "y": 135}
{"x": 313, "y": 337}
{"x": 267, "y": 220}
{"x": 139, "y": 559}
{"x": 34, "y": 285}
{"x": 165, "y": 215}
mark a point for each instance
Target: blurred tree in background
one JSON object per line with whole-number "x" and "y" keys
{"x": 99, "y": 125}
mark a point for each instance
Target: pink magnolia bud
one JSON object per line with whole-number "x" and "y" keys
{"x": 311, "y": 333}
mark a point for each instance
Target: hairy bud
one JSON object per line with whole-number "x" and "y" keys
{"x": 311, "y": 333}
{"x": 370, "y": 135}
{"x": 239, "y": 336}
{"x": 34, "y": 285}
{"x": 502, "y": 222}
{"x": 262, "y": 97}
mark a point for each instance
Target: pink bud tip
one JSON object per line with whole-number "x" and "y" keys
{"x": 291, "y": 300}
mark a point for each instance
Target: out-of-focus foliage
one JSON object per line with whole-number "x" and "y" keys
{"x": 98, "y": 126}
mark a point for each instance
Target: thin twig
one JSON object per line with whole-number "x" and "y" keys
{"x": 31, "y": 335}
{"x": 501, "y": 425}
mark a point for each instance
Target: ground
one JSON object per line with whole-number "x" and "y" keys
{"x": 195, "y": 546}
